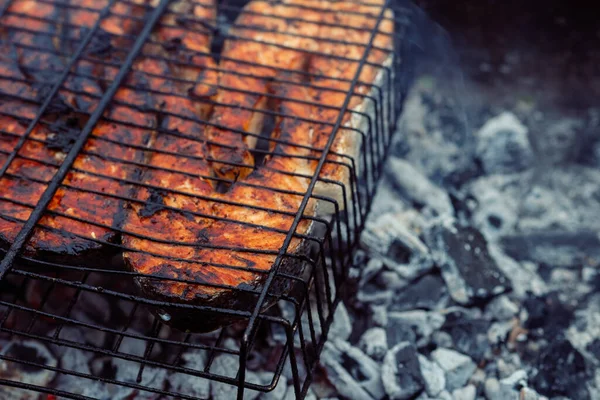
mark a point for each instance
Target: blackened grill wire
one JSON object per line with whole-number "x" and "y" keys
{"x": 370, "y": 134}
{"x": 250, "y": 332}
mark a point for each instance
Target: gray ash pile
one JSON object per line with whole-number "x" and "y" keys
{"x": 478, "y": 274}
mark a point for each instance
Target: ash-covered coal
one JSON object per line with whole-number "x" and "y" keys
{"x": 482, "y": 247}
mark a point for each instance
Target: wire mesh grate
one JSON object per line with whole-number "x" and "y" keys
{"x": 183, "y": 183}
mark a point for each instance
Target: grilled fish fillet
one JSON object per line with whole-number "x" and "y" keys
{"x": 198, "y": 246}
{"x": 87, "y": 211}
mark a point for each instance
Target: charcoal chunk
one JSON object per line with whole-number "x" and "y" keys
{"x": 401, "y": 372}
{"x": 427, "y": 293}
{"x": 469, "y": 335}
{"x": 553, "y": 248}
{"x": 561, "y": 370}
{"x": 469, "y": 271}
{"x": 503, "y": 145}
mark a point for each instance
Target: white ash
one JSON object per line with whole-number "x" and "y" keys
{"x": 503, "y": 145}
{"x": 192, "y": 385}
{"x": 423, "y": 323}
{"x": 33, "y": 352}
{"x": 499, "y": 331}
{"x": 228, "y": 365}
{"x": 401, "y": 373}
{"x": 276, "y": 394}
{"x": 465, "y": 393}
{"x": 341, "y": 328}
{"x": 374, "y": 343}
{"x": 366, "y": 387}
{"x": 417, "y": 188}
{"x": 433, "y": 376}
{"x": 77, "y": 360}
{"x": 502, "y": 308}
{"x": 457, "y": 367}
{"x": 394, "y": 239}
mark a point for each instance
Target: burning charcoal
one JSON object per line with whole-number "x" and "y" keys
{"x": 341, "y": 326}
{"x": 495, "y": 391}
{"x": 379, "y": 315}
{"x": 498, "y": 332}
{"x": 507, "y": 366}
{"x": 401, "y": 372}
{"x": 398, "y": 331}
{"x": 422, "y": 323}
{"x": 503, "y": 145}
{"x": 457, "y": 367}
{"x": 416, "y": 187}
{"x": 513, "y": 387}
{"x": 560, "y": 141}
{"x": 584, "y": 332}
{"x": 92, "y": 308}
{"x": 188, "y": 384}
{"x": 29, "y": 351}
{"x": 127, "y": 371}
{"x": 445, "y": 395}
{"x": 441, "y": 339}
{"x": 386, "y": 200}
{"x": 523, "y": 280}
{"x": 392, "y": 237}
{"x": 374, "y": 343}
{"x": 429, "y": 293}
{"x": 560, "y": 199}
{"x": 352, "y": 373}
{"x": 76, "y": 360}
{"x": 469, "y": 333}
{"x": 497, "y": 204}
{"x": 433, "y": 376}
{"x": 546, "y": 313}
{"x": 371, "y": 287}
{"x": 72, "y": 334}
{"x": 468, "y": 269}
{"x": 561, "y": 370}
{"x": 291, "y": 394}
{"x": 467, "y": 393}
{"x": 557, "y": 249}
{"x": 228, "y": 365}
{"x": 517, "y": 379}
{"x": 501, "y": 308}
{"x": 528, "y": 394}
{"x": 425, "y": 141}
{"x": 478, "y": 377}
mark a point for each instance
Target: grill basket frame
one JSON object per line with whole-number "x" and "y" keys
{"x": 305, "y": 314}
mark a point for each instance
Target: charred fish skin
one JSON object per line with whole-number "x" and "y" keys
{"x": 176, "y": 159}
{"x": 79, "y": 225}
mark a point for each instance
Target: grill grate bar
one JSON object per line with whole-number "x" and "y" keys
{"x": 41, "y": 206}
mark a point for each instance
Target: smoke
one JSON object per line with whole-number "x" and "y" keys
{"x": 435, "y": 132}
{"x": 432, "y": 55}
